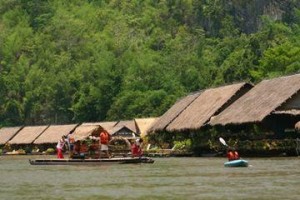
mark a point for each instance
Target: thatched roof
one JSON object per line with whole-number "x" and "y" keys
{"x": 123, "y": 131}
{"x": 260, "y": 101}
{"x": 207, "y": 104}
{"x": 108, "y": 126}
{"x": 82, "y": 132}
{"x": 130, "y": 124}
{"x": 7, "y": 133}
{"x": 144, "y": 124}
{"x": 28, "y": 134}
{"x": 173, "y": 112}
{"x": 54, "y": 133}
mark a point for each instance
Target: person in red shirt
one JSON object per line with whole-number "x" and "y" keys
{"x": 136, "y": 148}
{"x": 104, "y": 140}
{"x": 59, "y": 147}
{"x": 232, "y": 154}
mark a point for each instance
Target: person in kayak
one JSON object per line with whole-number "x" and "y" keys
{"x": 232, "y": 154}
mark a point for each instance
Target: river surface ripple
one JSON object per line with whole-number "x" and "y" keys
{"x": 166, "y": 178}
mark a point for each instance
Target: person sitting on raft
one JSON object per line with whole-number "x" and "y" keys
{"x": 232, "y": 154}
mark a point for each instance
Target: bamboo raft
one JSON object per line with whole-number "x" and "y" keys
{"x": 126, "y": 160}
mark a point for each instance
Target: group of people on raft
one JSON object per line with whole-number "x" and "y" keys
{"x": 76, "y": 147}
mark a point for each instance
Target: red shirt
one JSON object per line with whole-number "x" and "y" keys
{"x": 104, "y": 137}
{"x": 233, "y": 155}
{"x": 136, "y": 150}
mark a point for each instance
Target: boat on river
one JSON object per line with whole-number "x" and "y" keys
{"x": 236, "y": 163}
{"x": 125, "y": 160}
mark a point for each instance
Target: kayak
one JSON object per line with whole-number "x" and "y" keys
{"x": 126, "y": 160}
{"x": 236, "y": 163}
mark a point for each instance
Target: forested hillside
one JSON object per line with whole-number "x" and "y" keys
{"x": 99, "y": 60}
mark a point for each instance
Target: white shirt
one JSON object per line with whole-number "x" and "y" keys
{"x": 60, "y": 144}
{"x": 137, "y": 142}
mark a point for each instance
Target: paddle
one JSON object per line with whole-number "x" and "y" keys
{"x": 223, "y": 141}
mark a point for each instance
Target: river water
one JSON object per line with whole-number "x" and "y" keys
{"x": 166, "y": 178}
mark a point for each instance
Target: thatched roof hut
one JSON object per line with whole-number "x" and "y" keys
{"x": 144, "y": 124}
{"x": 130, "y": 124}
{"x": 7, "y": 133}
{"x": 28, "y": 134}
{"x": 82, "y": 132}
{"x": 265, "y": 98}
{"x": 52, "y": 134}
{"x": 207, "y": 104}
{"x": 173, "y": 112}
{"x": 121, "y": 128}
{"x": 123, "y": 131}
{"x": 112, "y": 126}
{"x": 108, "y": 126}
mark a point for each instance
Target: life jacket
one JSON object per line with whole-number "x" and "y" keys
{"x": 230, "y": 155}
{"x": 104, "y": 137}
{"x": 236, "y": 155}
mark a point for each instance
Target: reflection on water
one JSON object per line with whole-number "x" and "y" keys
{"x": 167, "y": 178}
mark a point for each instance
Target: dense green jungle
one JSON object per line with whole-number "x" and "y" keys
{"x": 99, "y": 60}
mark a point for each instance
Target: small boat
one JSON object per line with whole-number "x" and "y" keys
{"x": 125, "y": 160}
{"x": 236, "y": 163}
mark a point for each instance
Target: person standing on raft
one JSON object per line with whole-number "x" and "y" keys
{"x": 136, "y": 148}
{"x": 104, "y": 140}
{"x": 59, "y": 147}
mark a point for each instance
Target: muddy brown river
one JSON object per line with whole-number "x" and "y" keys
{"x": 167, "y": 178}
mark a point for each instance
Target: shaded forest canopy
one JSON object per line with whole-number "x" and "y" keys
{"x": 99, "y": 60}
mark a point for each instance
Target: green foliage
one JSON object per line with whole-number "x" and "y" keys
{"x": 138, "y": 104}
{"x": 280, "y": 60}
{"x": 73, "y": 61}
{"x": 50, "y": 151}
{"x": 183, "y": 145}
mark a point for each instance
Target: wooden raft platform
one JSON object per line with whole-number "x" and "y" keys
{"x": 126, "y": 160}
